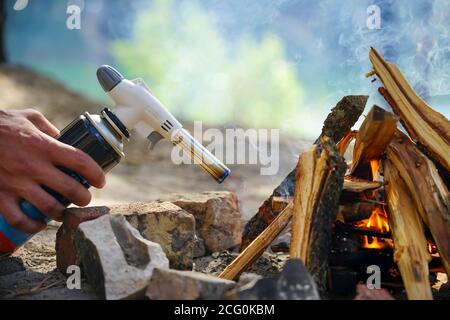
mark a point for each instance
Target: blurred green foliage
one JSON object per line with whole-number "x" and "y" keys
{"x": 199, "y": 74}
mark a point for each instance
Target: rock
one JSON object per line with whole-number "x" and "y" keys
{"x": 10, "y": 265}
{"x": 217, "y": 217}
{"x": 293, "y": 283}
{"x": 186, "y": 285}
{"x": 166, "y": 224}
{"x": 283, "y": 241}
{"x": 268, "y": 264}
{"x": 160, "y": 222}
{"x": 116, "y": 260}
{"x": 199, "y": 247}
{"x": 72, "y": 217}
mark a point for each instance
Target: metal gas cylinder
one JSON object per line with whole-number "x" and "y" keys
{"x": 101, "y": 137}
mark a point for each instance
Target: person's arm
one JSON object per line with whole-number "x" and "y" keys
{"x": 29, "y": 157}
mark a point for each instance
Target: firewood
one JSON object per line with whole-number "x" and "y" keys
{"x": 337, "y": 125}
{"x": 342, "y": 146}
{"x": 357, "y": 211}
{"x": 410, "y": 244}
{"x": 431, "y": 196}
{"x": 279, "y": 203}
{"x": 320, "y": 177}
{"x": 352, "y": 184}
{"x": 375, "y": 133}
{"x": 425, "y": 125}
{"x": 257, "y": 247}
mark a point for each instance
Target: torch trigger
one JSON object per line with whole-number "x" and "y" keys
{"x": 154, "y": 138}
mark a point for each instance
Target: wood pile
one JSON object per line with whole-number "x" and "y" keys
{"x": 394, "y": 190}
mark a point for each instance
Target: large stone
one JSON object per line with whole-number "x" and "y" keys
{"x": 72, "y": 217}
{"x": 218, "y": 220}
{"x": 293, "y": 283}
{"x": 186, "y": 285}
{"x": 160, "y": 222}
{"x": 164, "y": 223}
{"x": 116, "y": 260}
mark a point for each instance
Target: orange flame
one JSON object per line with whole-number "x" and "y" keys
{"x": 378, "y": 221}
{"x": 374, "y": 165}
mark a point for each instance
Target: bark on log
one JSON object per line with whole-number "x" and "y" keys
{"x": 430, "y": 195}
{"x": 375, "y": 133}
{"x": 255, "y": 249}
{"x": 337, "y": 125}
{"x": 410, "y": 244}
{"x": 425, "y": 125}
{"x": 320, "y": 177}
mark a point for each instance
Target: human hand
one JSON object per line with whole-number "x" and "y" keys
{"x": 29, "y": 159}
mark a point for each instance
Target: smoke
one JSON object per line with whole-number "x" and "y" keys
{"x": 413, "y": 34}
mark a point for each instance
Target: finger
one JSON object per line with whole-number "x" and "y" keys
{"x": 41, "y": 122}
{"x": 44, "y": 202}
{"x": 65, "y": 185}
{"x": 16, "y": 218}
{"x": 76, "y": 160}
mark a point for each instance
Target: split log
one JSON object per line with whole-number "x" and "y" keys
{"x": 255, "y": 249}
{"x": 337, "y": 125}
{"x": 425, "y": 125}
{"x": 342, "y": 146}
{"x": 431, "y": 196}
{"x": 352, "y": 184}
{"x": 357, "y": 211}
{"x": 279, "y": 203}
{"x": 320, "y": 177}
{"x": 410, "y": 244}
{"x": 375, "y": 133}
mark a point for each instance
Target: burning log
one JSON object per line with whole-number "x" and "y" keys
{"x": 320, "y": 177}
{"x": 375, "y": 133}
{"x": 428, "y": 127}
{"x": 410, "y": 244}
{"x": 337, "y": 125}
{"x": 357, "y": 211}
{"x": 255, "y": 249}
{"x": 430, "y": 195}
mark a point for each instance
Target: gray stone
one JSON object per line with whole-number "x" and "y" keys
{"x": 293, "y": 283}
{"x": 166, "y": 224}
{"x": 10, "y": 265}
{"x": 199, "y": 247}
{"x": 116, "y": 260}
{"x": 160, "y": 222}
{"x": 218, "y": 219}
{"x": 186, "y": 285}
{"x": 269, "y": 264}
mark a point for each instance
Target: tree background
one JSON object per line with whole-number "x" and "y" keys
{"x": 267, "y": 63}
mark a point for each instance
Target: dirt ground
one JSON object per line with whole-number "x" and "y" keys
{"x": 142, "y": 176}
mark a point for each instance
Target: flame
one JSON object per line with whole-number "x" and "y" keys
{"x": 378, "y": 221}
{"x": 432, "y": 249}
{"x": 374, "y": 165}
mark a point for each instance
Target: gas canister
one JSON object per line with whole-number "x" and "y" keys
{"x": 101, "y": 137}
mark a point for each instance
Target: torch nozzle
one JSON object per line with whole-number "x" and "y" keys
{"x": 198, "y": 154}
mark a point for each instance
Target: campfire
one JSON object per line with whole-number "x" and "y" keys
{"x": 373, "y": 196}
